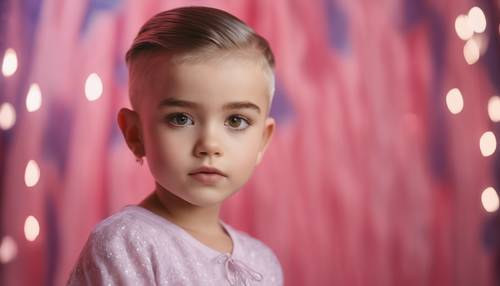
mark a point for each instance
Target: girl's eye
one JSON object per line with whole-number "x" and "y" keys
{"x": 237, "y": 122}
{"x": 180, "y": 119}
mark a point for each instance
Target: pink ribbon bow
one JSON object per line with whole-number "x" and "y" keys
{"x": 237, "y": 272}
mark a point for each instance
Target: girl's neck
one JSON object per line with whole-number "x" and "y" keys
{"x": 201, "y": 222}
{"x": 194, "y": 219}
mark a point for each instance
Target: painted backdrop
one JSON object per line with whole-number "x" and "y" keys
{"x": 370, "y": 179}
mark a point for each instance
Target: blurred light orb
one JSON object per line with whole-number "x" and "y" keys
{"x": 7, "y": 116}
{"x": 472, "y": 51}
{"x": 494, "y": 108}
{"x": 463, "y": 27}
{"x": 454, "y": 101}
{"x": 31, "y": 174}
{"x": 477, "y": 20}
{"x": 487, "y": 143}
{"x": 31, "y": 228}
{"x": 34, "y": 98}
{"x": 8, "y": 249}
{"x": 93, "y": 87}
{"x": 489, "y": 199}
{"x": 9, "y": 63}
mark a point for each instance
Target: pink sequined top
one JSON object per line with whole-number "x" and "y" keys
{"x": 137, "y": 247}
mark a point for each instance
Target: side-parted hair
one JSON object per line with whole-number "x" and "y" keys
{"x": 194, "y": 34}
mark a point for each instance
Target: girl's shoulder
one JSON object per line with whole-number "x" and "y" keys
{"x": 130, "y": 223}
{"x": 247, "y": 242}
{"x": 120, "y": 248}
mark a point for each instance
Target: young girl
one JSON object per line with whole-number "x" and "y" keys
{"x": 201, "y": 84}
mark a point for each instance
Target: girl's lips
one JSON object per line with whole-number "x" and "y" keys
{"x": 207, "y": 178}
{"x": 207, "y": 175}
{"x": 207, "y": 170}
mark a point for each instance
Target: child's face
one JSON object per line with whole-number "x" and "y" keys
{"x": 211, "y": 114}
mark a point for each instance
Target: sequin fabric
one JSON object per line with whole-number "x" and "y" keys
{"x": 136, "y": 247}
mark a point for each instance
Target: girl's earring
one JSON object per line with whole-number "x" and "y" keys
{"x": 139, "y": 160}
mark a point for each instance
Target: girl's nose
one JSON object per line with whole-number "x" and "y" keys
{"x": 208, "y": 144}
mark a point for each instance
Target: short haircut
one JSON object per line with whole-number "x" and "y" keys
{"x": 195, "y": 34}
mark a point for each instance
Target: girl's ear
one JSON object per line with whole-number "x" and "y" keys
{"x": 269, "y": 127}
{"x": 130, "y": 125}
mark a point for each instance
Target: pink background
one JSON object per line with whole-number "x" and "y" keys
{"x": 369, "y": 180}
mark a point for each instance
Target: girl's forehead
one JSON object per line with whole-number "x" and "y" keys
{"x": 232, "y": 76}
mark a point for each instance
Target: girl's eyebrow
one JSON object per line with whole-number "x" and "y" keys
{"x": 241, "y": 105}
{"x": 174, "y": 102}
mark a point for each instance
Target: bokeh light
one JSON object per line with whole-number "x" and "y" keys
{"x": 463, "y": 27}
{"x": 489, "y": 199}
{"x": 494, "y": 108}
{"x": 93, "y": 87}
{"x": 454, "y": 101}
{"x": 477, "y": 20}
{"x": 471, "y": 51}
{"x": 31, "y": 228}
{"x": 9, "y": 63}
{"x": 487, "y": 143}
{"x": 34, "y": 98}
{"x": 7, "y": 116}
{"x": 31, "y": 174}
{"x": 8, "y": 249}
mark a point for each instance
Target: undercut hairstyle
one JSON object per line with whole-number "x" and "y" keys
{"x": 196, "y": 34}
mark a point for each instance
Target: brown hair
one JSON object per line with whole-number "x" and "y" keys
{"x": 194, "y": 33}
{"x": 191, "y": 29}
